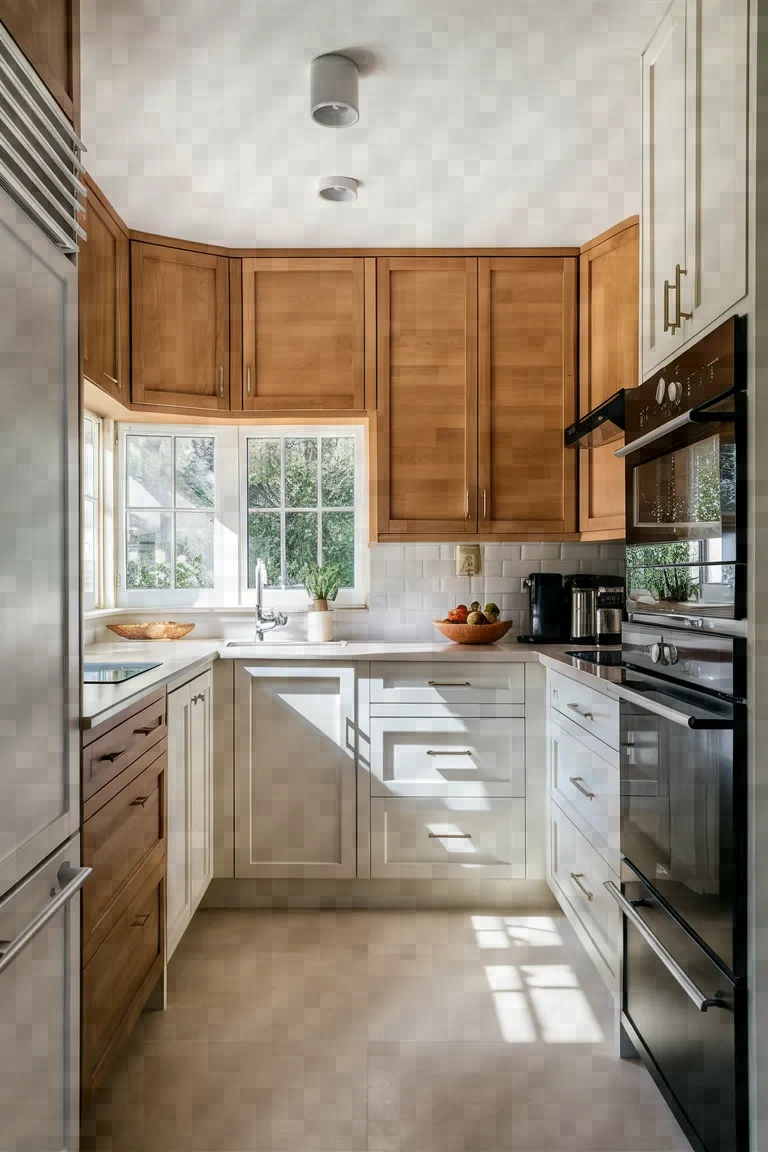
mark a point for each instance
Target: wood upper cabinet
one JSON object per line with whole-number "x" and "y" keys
{"x": 303, "y": 326}
{"x": 526, "y": 385}
{"x": 427, "y": 396}
{"x": 48, "y": 33}
{"x": 180, "y": 328}
{"x": 104, "y": 289}
{"x": 608, "y": 360}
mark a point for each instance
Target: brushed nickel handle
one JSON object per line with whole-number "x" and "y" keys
{"x": 449, "y": 683}
{"x": 221, "y": 381}
{"x": 433, "y": 752}
{"x": 584, "y": 715}
{"x": 450, "y": 835}
{"x": 485, "y": 505}
{"x": 112, "y": 756}
{"x": 139, "y": 802}
{"x": 248, "y": 375}
{"x": 466, "y": 506}
{"x": 584, "y": 791}
{"x": 140, "y": 921}
{"x": 667, "y": 325}
{"x": 678, "y": 314}
{"x": 577, "y": 877}
{"x": 71, "y": 880}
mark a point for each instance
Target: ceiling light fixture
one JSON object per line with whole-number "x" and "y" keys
{"x": 337, "y": 188}
{"x": 334, "y": 91}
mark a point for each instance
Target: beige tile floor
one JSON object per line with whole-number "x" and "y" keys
{"x": 379, "y": 1032}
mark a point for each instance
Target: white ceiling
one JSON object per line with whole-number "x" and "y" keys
{"x": 483, "y": 122}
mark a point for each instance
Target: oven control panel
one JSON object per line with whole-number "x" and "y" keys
{"x": 701, "y": 374}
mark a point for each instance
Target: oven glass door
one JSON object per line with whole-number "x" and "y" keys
{"x": 681, "y": 523}
{"x": 677, "y": 819}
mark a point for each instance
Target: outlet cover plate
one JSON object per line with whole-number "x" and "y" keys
{"x": 468, "y": 562}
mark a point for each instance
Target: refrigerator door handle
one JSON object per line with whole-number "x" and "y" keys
{"x": 71, "y": 881}
{"x": 694, "y": 993}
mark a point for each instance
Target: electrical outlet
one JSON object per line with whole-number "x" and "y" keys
{"x": 468, "y": 562}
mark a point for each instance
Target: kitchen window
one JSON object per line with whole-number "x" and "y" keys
{"x": 199, "y": 505}
{"x": 92, "y": 511}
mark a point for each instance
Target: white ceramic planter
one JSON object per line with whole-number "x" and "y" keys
{"x": 319, "y": 626}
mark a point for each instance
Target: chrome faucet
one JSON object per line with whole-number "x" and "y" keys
{"x": 265, "y": 621}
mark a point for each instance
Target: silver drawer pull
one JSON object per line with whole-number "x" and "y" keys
{"x": 584, "y": 791}
{"x": 71, "y": 881}
{"x": 577, "y": 877}
{"x": 434, "y": 752}
{"x": 575, "y": 708}
{"x": 694, "y": 993}
{"x": 450, "y": 835}
{"x": 449, "y": 684}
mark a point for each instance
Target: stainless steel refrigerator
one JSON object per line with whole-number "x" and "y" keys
{"x": 40, "y": 873}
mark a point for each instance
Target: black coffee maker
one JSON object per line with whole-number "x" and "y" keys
{"x": 545, "y": 593}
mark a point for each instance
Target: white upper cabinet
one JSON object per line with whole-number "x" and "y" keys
{"x": 694, "y": 217}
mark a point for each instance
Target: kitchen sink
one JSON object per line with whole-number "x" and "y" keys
{"x": 286, "y": 643}
{"x": 103, "y": 673}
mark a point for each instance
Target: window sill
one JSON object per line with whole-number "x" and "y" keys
{"x": 179, "y": 610}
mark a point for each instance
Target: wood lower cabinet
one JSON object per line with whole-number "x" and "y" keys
{"x": 180, "y": 329}
{"x": 609, "y": 288}
{"x": 427, "y": 396}
{"x": 303, "y": 327}
{"x": 190, "y": 802}
{"x": 295, "y": 771}
{"x": 48, "y": 33}
{"x": 526, "y": 385}
{"x": 104, "y": 298}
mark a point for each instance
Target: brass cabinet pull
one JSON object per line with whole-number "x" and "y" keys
{"x": 584, "y": 715}
{"x": 139, "y": 802}
{"x": 450, "y": 835}
{"x": 449, "y": 684}
{"x": 578, "y": 786}
{"x": 577, "y": 877}
{"x": 466, "y": 514}
{"x": 112, "y": 756}
{"x": 678, "y": 314}
{"x": 433, "y": 752}
{"x": 140, "y": 921}
{"x": 667, "y": 325}
{"x": 248, "y": 375}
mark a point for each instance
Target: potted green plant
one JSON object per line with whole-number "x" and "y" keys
{"x": 322, "y": 582}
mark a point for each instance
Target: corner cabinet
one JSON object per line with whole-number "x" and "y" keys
{"x": 48, "y": 34}
{"x": 304, "y": 333}
{"x": 526, "y": 384}
{"x": 694, "y": 218}
{"x": 190, "y": 802}
{"x": 180, "y": 329}
{"x": 104, "y": 297}
{"x": 295, "y": 771}
{"x": 609, "y": 359}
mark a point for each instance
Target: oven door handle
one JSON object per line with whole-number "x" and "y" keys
{"x": 675, "y": 715}
{"x": 694, "y": 993}
{"x": 698, "y": 415}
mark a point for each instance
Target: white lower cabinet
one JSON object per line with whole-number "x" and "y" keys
{"x": 447, "y": 838}
{"x": 295, "y": 771}
{"x": 578, "y": 875}
{"x": 190, "y": 803}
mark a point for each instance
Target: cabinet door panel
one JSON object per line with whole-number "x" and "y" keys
{"x": 103, "y": 285}
{"x": 48, "y": 33}
{"x": 609, "y": 360}
{"x": 201, "y": 788}
{"x": 526, "y": 380}
{"x": 180, "y": 323}
{"x": 427, "y": 395}
{"x": 667, "y": 124}
{"x": 295, "y": 787}
{"x": 179, "y": 896}
{"x": 303, "y": 334}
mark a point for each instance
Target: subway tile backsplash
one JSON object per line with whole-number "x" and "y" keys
{"x": 413, "y": 584}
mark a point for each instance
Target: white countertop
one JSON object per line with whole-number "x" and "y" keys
{"x": 176, "y": 658}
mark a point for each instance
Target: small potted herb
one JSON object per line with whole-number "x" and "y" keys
{"x": 322, "y": 582}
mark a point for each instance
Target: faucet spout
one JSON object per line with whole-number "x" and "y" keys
{"x": 265, "y": 621}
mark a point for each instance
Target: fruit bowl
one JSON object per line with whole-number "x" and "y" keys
{"x": 473, "y": 633}
{"x": 158, "y": 630}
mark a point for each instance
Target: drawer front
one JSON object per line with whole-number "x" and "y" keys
{"x": 115, "y": 981}
{"x": 458, "y": 839}
{"x": 447, "y": 757}
{"x": 590, "y": 709}
{"x": 117, "y": 749}
{"x": 456, "y": 682}
{"x": 117, "y": 842}
{"x": 587, "y": 783}
{"x": 579, "y": 873}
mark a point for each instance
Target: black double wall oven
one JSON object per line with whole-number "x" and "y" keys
{"x": 683, "y": 739}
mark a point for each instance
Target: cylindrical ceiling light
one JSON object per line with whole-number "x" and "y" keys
{"x": 334, "y": 91}
{"x": 337, "y": 188}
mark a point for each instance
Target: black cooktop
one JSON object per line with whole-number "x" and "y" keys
{"x": 610, "y": 659}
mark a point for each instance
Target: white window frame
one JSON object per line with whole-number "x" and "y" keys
{"x": 224, "y": 511}
{"x": 94, "y": 598}
{"x": 293, "y": 598}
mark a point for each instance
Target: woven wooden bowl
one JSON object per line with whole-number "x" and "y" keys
{"x": 158, "y": 630}
{"x": 473, "y": 633}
